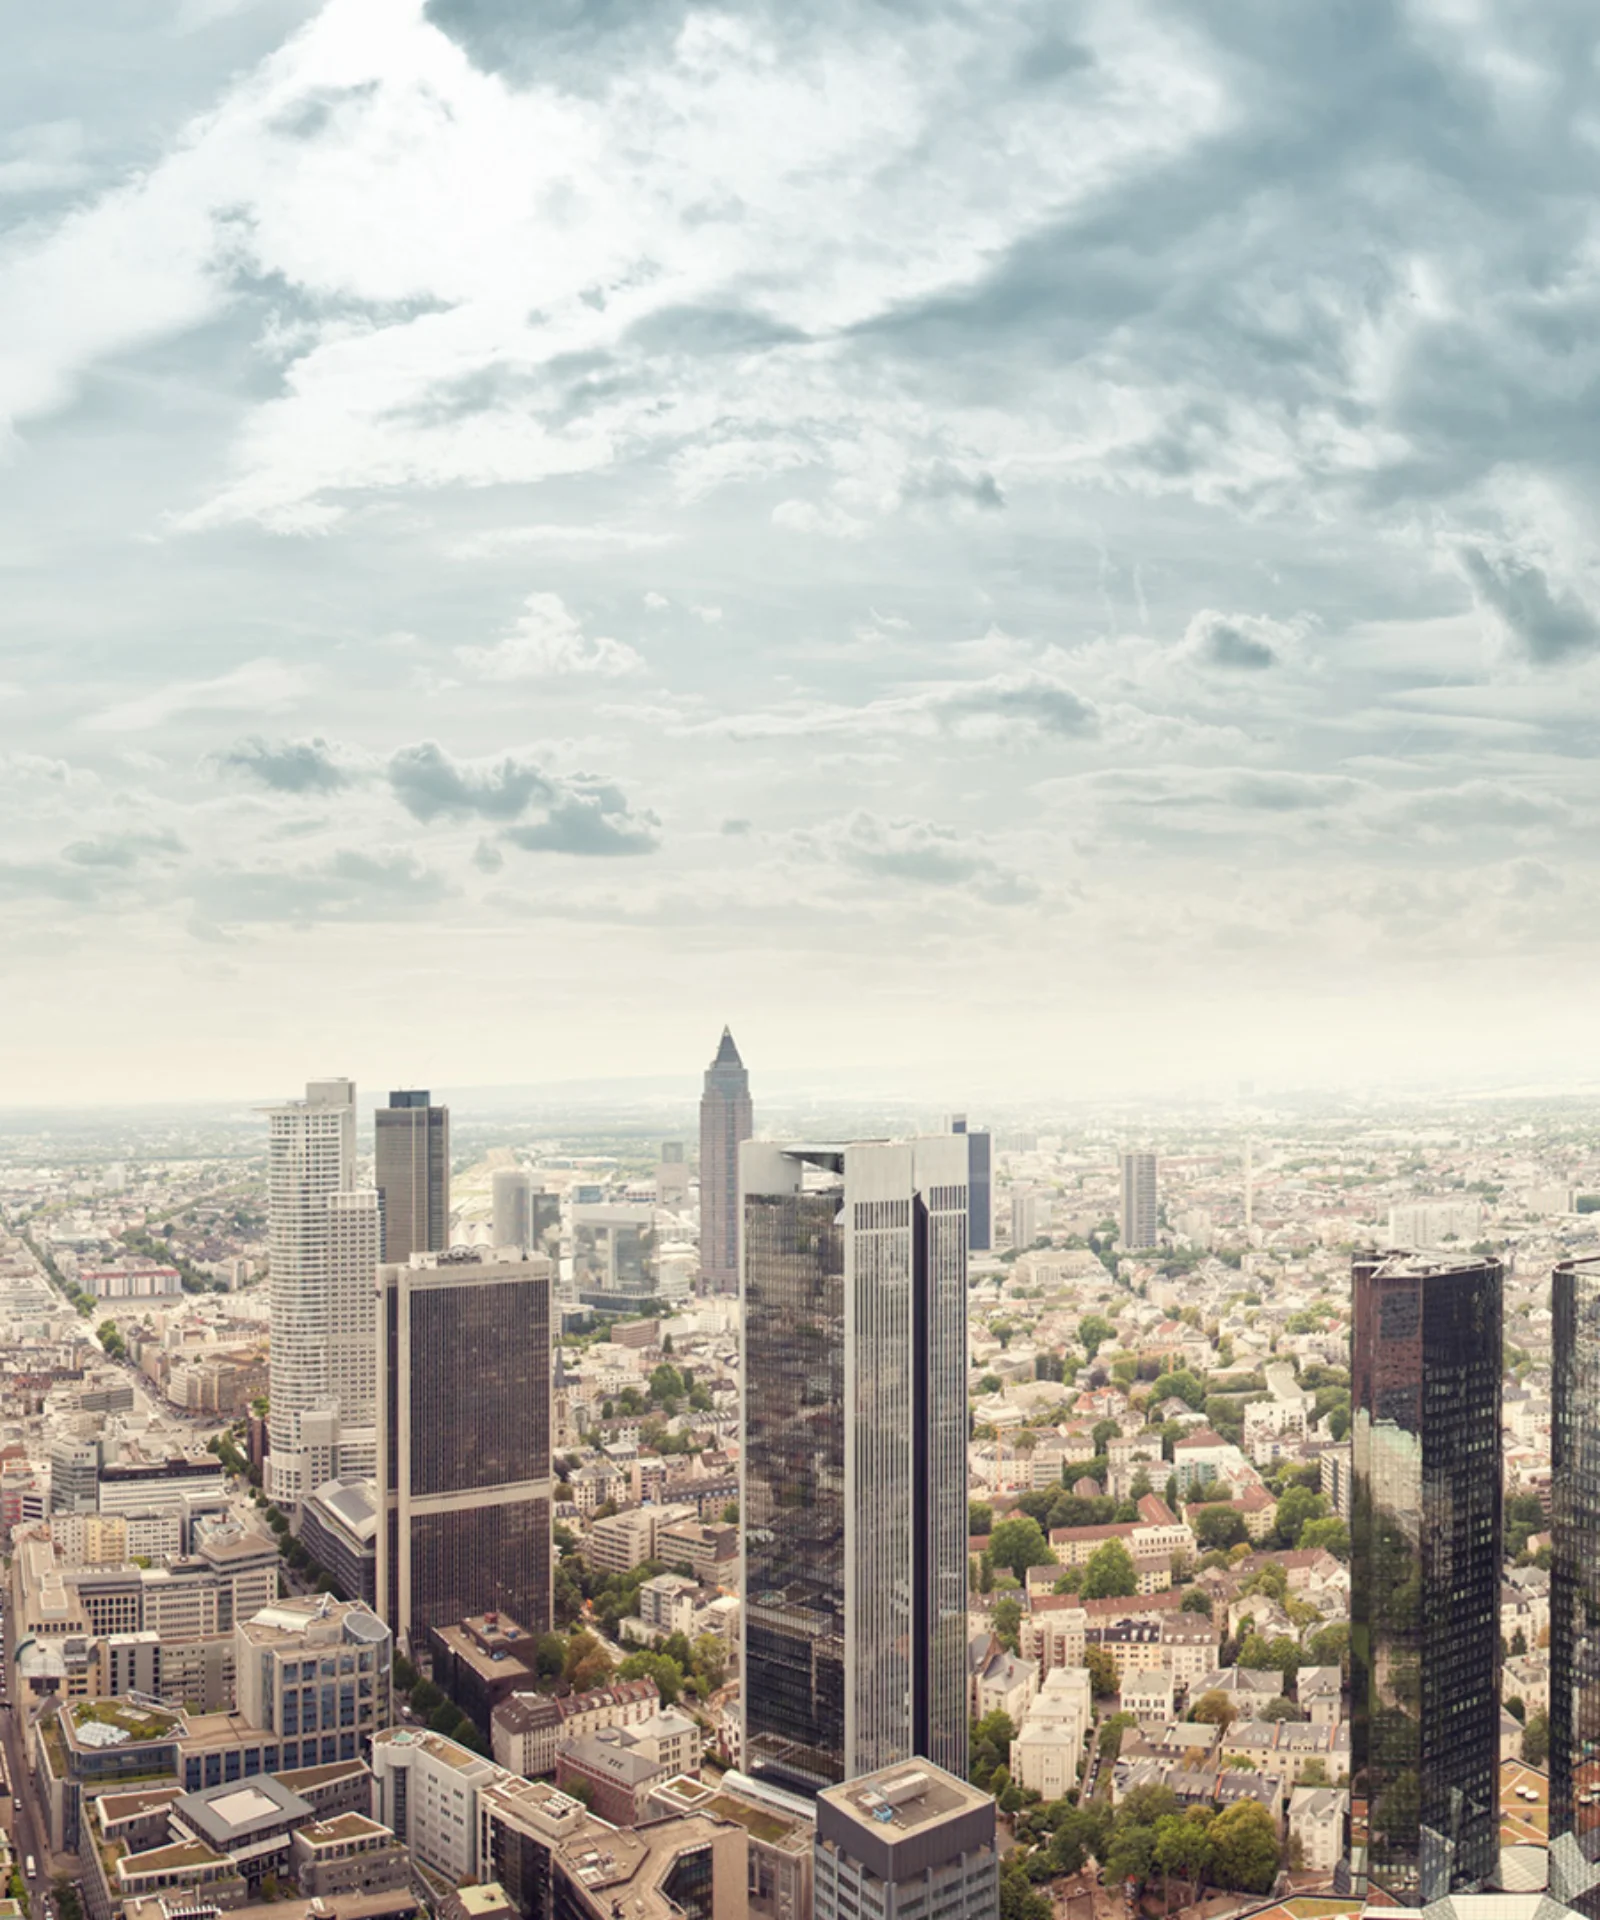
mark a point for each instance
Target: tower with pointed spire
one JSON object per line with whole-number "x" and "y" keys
{"x": 726, "y": 1118}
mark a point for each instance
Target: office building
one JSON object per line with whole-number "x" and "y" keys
{"x": 1139, "y": 1227}
{"x": 323, "y": 1240}
{"x": 727, "y": 1120}
{"x": 980, "y": 1184}
{"x": 1024, "y": 1217}
{"x": 411, "y": 1162}
{"x": 854, "y": 1297}
{"x": 464, "y": 1475}
{"x": 614, "y": 1255}
{"x": 672, "y": 1175}
{"x": 1431, "y": 1223}
{"x": 1575, "y": 1585}
{"x": 907, "y": 1840}
{"x": 74, "y": 1474}
{"x": 511, "y": 1208}
{"x": 1425, "y": 1355}
{"x": 316, "y": 1673}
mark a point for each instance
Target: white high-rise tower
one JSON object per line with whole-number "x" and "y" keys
{"x": 324, "y": 1240}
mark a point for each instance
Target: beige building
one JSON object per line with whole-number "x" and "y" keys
{"x": 1049, "y": 1746}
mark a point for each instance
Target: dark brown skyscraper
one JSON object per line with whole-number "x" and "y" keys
{"x": 726, "y": 1119}
{"x": 464, "y": 1440}
{"x": 412, "y": 1173}
{"x": 1425, "y": 1357}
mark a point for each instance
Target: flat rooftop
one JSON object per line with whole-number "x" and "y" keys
{"x": 903, "y": 1799}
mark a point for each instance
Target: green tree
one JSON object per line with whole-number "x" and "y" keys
{"x": 1213, "y": 1708}
{"x": 1094, "y": 1330}
{"x": 989, "y": 1747}
{"x": 1018, "y": 1898}
{"x": 425, "y": 1697}
{"x": 666, "y": 1385}
{"x": 1019, "y": 1543}
{"x": 660, "y": 1667}
{"x": 1110, "y": 1742}
{"x": 1244, "y": 1848}
{"x": 1197, "y": 1600}
{"x": 1008, "y": 1622}
{"x": 1081, "y": 1833}
{"x": 980, "y": 1518}
{"x": 1110, "y": 1573}
{"x": 1132, "y": 1853}
{"x": 1295, "y": 1508}
{"x": 1329, "y": 1533}
{"x": 1184, "y": 1847}
{"x": 1182, "y": 1385}
{"x": 710, "y": 1662}
{"x": 1102, "y": 1667}
{"x": 1329, "y": 1646}
{"x": 1103, "y": 1433}
{"x": 1218, "y": 1527}
{"x": 1536, "y": 1740}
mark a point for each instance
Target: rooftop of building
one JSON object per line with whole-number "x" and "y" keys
{"x": 339, "y": 1828}
{"x": 239, "y": 1811}
{"x": 903, "y": 1799}
{"x": 450, "y": 1752}
{"x": 119, "y": 1722}
{"x": 315, "y": 1620}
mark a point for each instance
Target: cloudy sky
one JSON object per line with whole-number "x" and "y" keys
{"x": 1043, "y": 546}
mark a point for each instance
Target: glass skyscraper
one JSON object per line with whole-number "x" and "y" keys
{"x": 1425, "y": 1363}
{"x": 1575, "y": 1586}
{"x": 411, "y": 1169}
{"x": 854, "y": 1488}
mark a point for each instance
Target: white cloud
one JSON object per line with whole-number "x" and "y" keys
{"x": 547, "y": 641}
{"x": 259, "y": 686}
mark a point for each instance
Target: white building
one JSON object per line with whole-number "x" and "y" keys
{"x": 1049, "y": 1746}
{"x": 325, "y": 1240}
{"x": 1316, "y": 1820}
{"x": 1430, "y": 1223}
{"x": 425, "y": 1788}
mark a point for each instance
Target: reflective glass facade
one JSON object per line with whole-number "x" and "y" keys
{"x": 1425, "y": 1574}
{"x": 855, "y": 1458}
{"x": 1575, "y": 1586}
{"x": 792, "y": 1499}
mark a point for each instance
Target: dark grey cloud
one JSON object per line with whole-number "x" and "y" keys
{"x": 590, "y": 819}
{"x": 1547, "y": 625}
{"x": 709, "y": 329}
{"x": 1218, "y": 641}
{"x": 430, "y": 785}
{"x": 943, "y": 480}
{"x": 122, "y": 850}
{"x": 921, "y": 852}
{"x": 287, "y": 766}
{"x": 1030, "y": 697}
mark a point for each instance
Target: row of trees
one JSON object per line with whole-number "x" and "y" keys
{"x": 1149, "y": 1837}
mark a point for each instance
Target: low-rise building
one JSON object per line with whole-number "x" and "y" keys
{"x": 1316, "y": 1827}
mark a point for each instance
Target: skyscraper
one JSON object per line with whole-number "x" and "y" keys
{"x": 512, "y": 1193}
{"x": 1575, "y": 1585}
{"x": 1425, "y": 1358}
{"x": 412, "y": 1172}
{"x": 980, "y": 1184}
{"x": 853, "y": 1485}
{"x": 726, "y": 1120}
{"x": 323, "y": 1243}
{"x": 1138, "y": 1200}
{"x": 464, "y": 1466}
